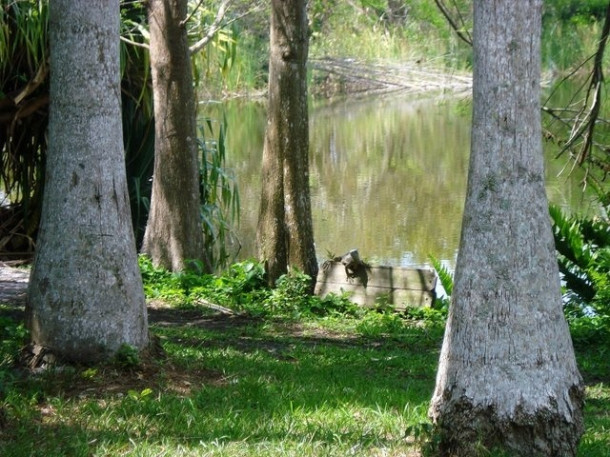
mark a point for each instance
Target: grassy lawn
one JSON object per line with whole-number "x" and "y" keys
{"x": 240, "y": 385}
{"x": 233, "y": 386}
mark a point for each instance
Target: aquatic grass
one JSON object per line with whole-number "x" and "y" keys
{"x": 220, "y": 205}
{"x": 566, "y": 45}
{"x": 367, "y": 33}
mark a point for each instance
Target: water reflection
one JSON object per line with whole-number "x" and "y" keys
{"x": 388, "y": 176}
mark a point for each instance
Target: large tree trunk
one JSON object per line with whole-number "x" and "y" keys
{"x": 174, "y": 234}
{"x": 285, "y": 222}
{"x": 85, "y": 297}
{"x": 507, "y": 374}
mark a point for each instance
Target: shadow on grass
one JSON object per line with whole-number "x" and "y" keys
{"x": 234, "y": 385}
{"x": 227, "y": 380}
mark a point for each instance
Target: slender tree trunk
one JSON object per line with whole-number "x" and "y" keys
{"x": 174, "y": 234}
{"x": 271, "y": 233}
{"x": 292, "y": 35}
{"x": 507, "y": 375}
{"x": 85, "y": 297}
{"x": 286, "y": 201}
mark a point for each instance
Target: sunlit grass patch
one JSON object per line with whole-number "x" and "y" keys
{"x": 248, "y": 387}
{"x": 596, "y": 441}
{"x": 263, "y": 390}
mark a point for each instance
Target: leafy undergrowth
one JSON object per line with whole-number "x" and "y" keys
{"x": 286, "y": 379}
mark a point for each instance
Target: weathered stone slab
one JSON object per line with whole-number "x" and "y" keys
{"x": 398, "y": 286}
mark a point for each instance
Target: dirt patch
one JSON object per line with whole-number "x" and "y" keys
{"x": 110, "y": 380}
{"x": 162, "y": 315}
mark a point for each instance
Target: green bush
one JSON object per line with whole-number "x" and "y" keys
{"x": 378, "y": 324}
{"x": 575, "y": 11}
{"x": 291, "y": 298}
{"x": 583, "y": 247}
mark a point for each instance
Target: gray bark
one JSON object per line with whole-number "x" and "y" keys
{"x": 507, "y": 375}
{"x": 174, "y": 234}
{"x": 285, "y": 221}
{"x": 271, "y": 233}
{"x": 85, "y": 297}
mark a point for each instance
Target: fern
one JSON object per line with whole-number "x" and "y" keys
{"x": 573, "y": 255}
{"x": 443, "y": 273}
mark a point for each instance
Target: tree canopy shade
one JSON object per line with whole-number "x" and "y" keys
{"x": 85, "y": 297}
{"x": 507, "y": 376}
{"x": 285, "y": 228}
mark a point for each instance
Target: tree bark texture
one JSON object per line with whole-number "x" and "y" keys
{"x": 271, "y": 232}
{"x": 174, "y": 234}
{"x": 286, "y": 201}
{"x": 85, "y": 297}
{"x": 507, "y": 375}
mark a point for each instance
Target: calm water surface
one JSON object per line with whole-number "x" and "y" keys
{"x": 388, "y": 176}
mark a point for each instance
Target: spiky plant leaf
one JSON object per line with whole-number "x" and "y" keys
{"x": 444, "y": 275}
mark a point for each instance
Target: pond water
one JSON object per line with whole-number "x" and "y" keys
{"x": 388, "y": 176}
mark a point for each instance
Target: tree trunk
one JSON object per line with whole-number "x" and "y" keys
{"x": 285, "y": 221}
{"x": 174, "y": 235}
{"x": 271, "y": 233}
{"x": 85, "y": 297}
{"x": 291, "y": 32}
{"x": 507, "y": 376}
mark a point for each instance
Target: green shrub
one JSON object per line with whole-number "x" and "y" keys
{"x": 377, "y": 324}
{"x": 291, "y": 298}
{"x": 583, "y": 248}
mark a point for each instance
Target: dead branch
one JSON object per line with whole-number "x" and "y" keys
{"x": 199, "y": 45}
{"x": 461, "y": 32}
{"x": 214, "y": 306}
{"x": 583, "y": 127}
{"x": 134, "y": 43}
{"x": 369, "y": 78}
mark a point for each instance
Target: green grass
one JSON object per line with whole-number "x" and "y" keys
{"x": 233, "y": 386}
{"x": 249, "y": 385}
